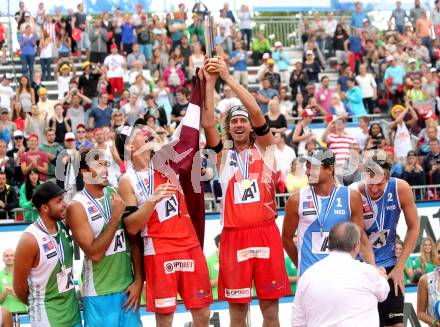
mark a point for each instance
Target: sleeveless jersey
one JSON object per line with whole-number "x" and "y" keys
{"x": 169, "y": 228}
{"x": 433, "y": 291}
{"x": 312, "y": 247}
{"x": 254, "y": 206}
{"x": 113, "y": 273}
{"x": 52, "y": 296}
{"x": 383, "y": 252}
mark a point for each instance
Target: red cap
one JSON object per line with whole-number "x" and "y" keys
{"x": 307, "y": 113}
{"x": 143, "y": 16}
{"x": 430, "y": 115}
{"x": 113, "y": 46}
{"x": 139, "y": 6}
{"x": 33, "y": 135}
{"x": 81, "y": 126}
{"x": 329, "y": 118}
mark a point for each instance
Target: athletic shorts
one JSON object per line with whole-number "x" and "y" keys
{"x": 183, "y": 272}
{"x": 391, "y": 310}
{"x": 107, "y": 310}
{"x": 252, "y": 255}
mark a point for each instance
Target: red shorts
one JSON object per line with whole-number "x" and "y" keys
{"x": 116, "y": 84}
{"x": 183, "y": 272}
{"x": 252, "y": 254}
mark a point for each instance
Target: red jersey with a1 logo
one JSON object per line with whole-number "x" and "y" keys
{"x": 252, "y": 204}
{"x": 170, "y": 228}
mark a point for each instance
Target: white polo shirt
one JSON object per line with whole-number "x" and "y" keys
{"x": 339, "y": 291}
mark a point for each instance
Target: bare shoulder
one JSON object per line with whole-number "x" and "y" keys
{"x": 293, "y": 200}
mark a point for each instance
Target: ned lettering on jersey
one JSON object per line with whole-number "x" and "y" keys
{"x": 173, "y": 259}
{"x": 384, "y": 198}
{"x": 251, "y": 250}
{"x": 43, "y": 275}
{"x": 112, "y": 268}
{"x": 315, "y": 209}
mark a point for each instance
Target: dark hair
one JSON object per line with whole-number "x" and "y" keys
{"x": 381, "y": 131}
{"x": 28, "y": 186}
{"x": 183, "y": 91}
{"x": 365, "y": 119}
{"x": 85, "y": 157}
{"x": 343, "y": 237}
{"x": 217, "y": 240}
{"x": 324, "y": 77}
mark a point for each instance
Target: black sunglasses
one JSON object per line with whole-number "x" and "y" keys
{"x": 18, "y": 137}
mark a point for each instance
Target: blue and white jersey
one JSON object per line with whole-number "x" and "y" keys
{"x": 384, "y": 246}
{"x": 312, "y": 246}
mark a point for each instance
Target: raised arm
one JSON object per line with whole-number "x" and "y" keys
{"x": 218, "y": 65}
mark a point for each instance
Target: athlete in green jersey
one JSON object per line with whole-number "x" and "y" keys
{"x": 112, "y": 286}
{"x": 43, "y": 275}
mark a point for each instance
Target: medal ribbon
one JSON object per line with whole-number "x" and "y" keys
{"x": 148, "y": 191}
{"x": 381, "y": 223}
{"x": 59, "y": 249}
{"x": 105, "y": 213}
{"x": 327, "y": 209}
{"x": 243, "y": 167}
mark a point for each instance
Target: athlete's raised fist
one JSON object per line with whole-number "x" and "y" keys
{"x": 118, "y": 206}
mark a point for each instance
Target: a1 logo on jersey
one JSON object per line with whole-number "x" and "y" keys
{"x": 246, "y": 195}
{"x": 118, "y": 243}
{"x": 167, "y": 208}
{"x": 379, "y": 239}
{"x": 320, "y": 243}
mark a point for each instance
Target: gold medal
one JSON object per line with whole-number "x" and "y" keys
{"x": 245, "y": 184}
{"x": 320, "y": 230}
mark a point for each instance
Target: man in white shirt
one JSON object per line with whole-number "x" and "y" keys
{"x": 362, "y": 133}
{"x": 228, "y": 101}
{"x": 339, "y": 290}
{"x": 284, "y": 155}
{"x": 116, "y": 66}
{"x": 6, "y": 92}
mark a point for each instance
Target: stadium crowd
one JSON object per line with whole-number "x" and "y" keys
{"x": 141, "y": 65}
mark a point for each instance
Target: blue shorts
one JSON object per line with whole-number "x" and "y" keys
{"x": 107, "y": 310}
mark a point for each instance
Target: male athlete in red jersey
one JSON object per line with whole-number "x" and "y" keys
{"x": 250, "y": 248}
{"x": 173, "y": 259}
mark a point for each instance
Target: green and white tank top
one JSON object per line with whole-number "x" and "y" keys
{"x": 52, "y": 297}
{"x": 113, "y": 273}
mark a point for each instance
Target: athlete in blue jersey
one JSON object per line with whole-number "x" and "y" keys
{"x": 315, "y": 209}
{"x": 383, "y": 198}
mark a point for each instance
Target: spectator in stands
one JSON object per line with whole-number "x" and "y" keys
{"x": 284, "y": 155}
{"x": 274, "y": 118}
{"x": 140, "y": 88}
{"x": 181, "y": 105}
{"x": 265, "y": 94}
{"x": 339, "y": 38}
{"x": 100, "y": 115}
{"x": 27, "y": 42}
{"x": 324, "y": 94}
{"x": 311, "y": 67}
{"x": 196, "y": 31}
{"x": 25, "y": 94}
{"x": 423, "y": 30}
{"x": 394, "y": 77}
{"x": 238, "y": 61}
{"x": 79, "y": 20}
{"x": 200, "y": 10}
{"x": 173, "y": 76}
{"x": 286, "y": 104}
{"x": 46, "y": 49}
{"x": 353, "y": 97}
{"x": 7, "y": 94}
{"x": 60, "y": 124}
{"x": 298, "y": 80}
{"x": 82, "y": 142}
{"x": 337, "y": 107}
{"x": 338, "y": 140}
{"x": 88, "y": 81}
{"x": 127, "y": 35}
{"x": 52, "y": 149}
{"x": 144, "y": 38}
{"x": 272, "y": 75}
{"x": 376, "y": 138}
{"x": 362, "y": 133}
{"x": 27, "y": 189}
{"x": 421, "y": 51}
{"x": 414, "y": 173}
{"x": 8, "y": 197}
{"x": 63, "y": 75}
{"x": 346, "y": 73}
{"x": 245, "y": 25}
{"x": 213, "y": 267}
{"x": 317, "y": 29}
{"x": 176, "y": 26}
{"x": 157, "y": 111}
{"x": 76, "y": 112}
{"x": 368, "y": 86}
{"x": 63, "y": 44}
{"x": 34, "y": 158}
{"x": 98, "y": 42}
{"x": 428, "y": 259}
{"x": 6, "y": 127}
{"x": 358, "y": 16}
{"x": 229, "y": 100}
{"x": 136, "y": 55}
{"x": 131, "y": 110}
{"x": 45, "y": 105}
{"x": 263, "y": 68}
{"x": 117, "y": 119}
{"x": 399, "y": 16}
{"x": 37, "y": 123}
{"x": 15, "y": 155}
{"x": 282, "y": 61}
{"x": 111, "y": 155}
{"x": 8, "y": 298}
{"x": 431, "y": 165}
{"x": 196, "y": 59}
{"x": 427, "y": 297}
{"x": 297, "y": 178}
{"x": 408, "y": 272}
{"x": 260, "y": 46}
{"x": 116, "y": 66}
{"x": 400, "y": 130}
{"x": 302, "y": 133}
{"x": 7, "y": 164}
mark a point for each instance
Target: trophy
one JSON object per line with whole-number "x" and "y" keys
{"x": 209, "y": 36}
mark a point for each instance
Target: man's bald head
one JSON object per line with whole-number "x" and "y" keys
{"x": 344, "y": 237}
{"x": 8, "y": 257}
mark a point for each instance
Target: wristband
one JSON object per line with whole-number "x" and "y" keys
{"x": 262, "y": 130}
{"x": 216, "y": 148}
